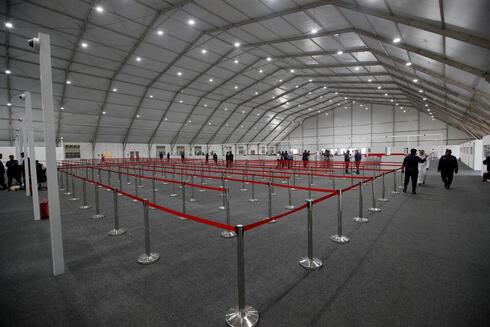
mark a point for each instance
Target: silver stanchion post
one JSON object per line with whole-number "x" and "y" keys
{"x": 309, "y": 187}
{"x": 192, "y": 199}
{"x": 373, "y": 191}
{"x": 183, "y": 201}
{"x": 401, "y": 179}
{"x": 67, "y": 183}
{"x": 272, "y": 184}
{"x": 294, "y": 182}
{"x": 360, "y": 218}
{"x": 73, "y": 190}
{"x": 153, "y": 191}
{"x": 227, "y": 233}
{"x": 224, "y": 195}
{"x": 164, "y": 175}
{"x": 269, "y": 203}
{"x": 394, "y": 184}
{"x": 148, "y": 257}
{"x": 60, "y": 181}
{"x": 310, "y": 262}
{"x": 290, "y": 197}
{"x": 116, "y": 231}
{"x": 135, "y": 187}
{"x": 119, "y": 177}
{"x": 174, "y": 192}
{"x": 339, "y": 238}
{"x": 383, "y": 189}
{"x": 100, "y": 177}
{"x": 252, "y": 198}
{"x": 128, "y": 182}
{"x": 243, "y": 315}
{"x": 140, "y": 183}
{"x": 244, "y": 187}
{"x": 97, "y": 215}
{"x": 84, "y": 187}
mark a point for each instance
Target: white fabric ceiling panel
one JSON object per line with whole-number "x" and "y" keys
{"x": 470, "y": 15}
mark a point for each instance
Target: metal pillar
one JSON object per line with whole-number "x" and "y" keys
{"x": 84, "y": 187}
{"x": 383, "y": 190}
{"x": 309, "y": 187}
{"x": 374, "y": 208}
{"x": 339, "y": 238}
{"x": 116, "y": 231}
{"x": 73, "y": 190}
{"x": 148, "y": 257}
{"x": 32, "y": 156}
{"x": 97, "y": 215}
{"x": 310, "y": 262}
{"x": 360, "y": 218}
{"x": 136, "y": 187}
{"x": 269, "y": 203}
{"x": 183, "y": 201}
{"x": 394, "y": 184}
{"x": 192, "y": 199}
{"x": 252, "y": 198}
{"x": 290, "y": 197}
{"x": 227, "y": 233}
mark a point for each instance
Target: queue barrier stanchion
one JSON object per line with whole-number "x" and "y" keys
{"x": 252, "y": 198}
{"x": 401, "y": 179}
{"x": 202, "y": 181}
{"x": 224, "y": 195}
{"x": 73, "y": 190}
{"x": 85, "y": 205}
{"x": 360, "y": 218}
{"x": 128, "y": 182}
{"x": 164, "y": 176}
{"x": 228, "y": 233}
{"x": 136, "y": 192}
{"x": 140, "y": 183}
{"x": 244, "y": 187}
{"x": 310, "y": 262}
{"x": 153, "y": 191}
{"x": 383, "y": 197}
{"x": 174, "y": 193}
{"x": 119, "y": 177}
{"x": 374, "y": 208}
{"x": 309, "y": 187}
{"x": 294, "y": 182}
{"x": 290, "y": 197}
{"x": 109, "y": 180}
{"x": 192, "y": 199}
{"x": 60, "y": 181}
{"x": 394, "y": 184}
{"x": 184, "y": 209}
{"x": 67, "y": 183}
{"x": 339, "y": 238}
{"x": 269, "y": 203}
{"x": 100, "y": 177}
{"x": 272, "y": 185}
{"x": 117, "y": 231}
{"x": 97, "y": 215}
{"x": 148, "y": 257}
{"x": 243, "y": 315}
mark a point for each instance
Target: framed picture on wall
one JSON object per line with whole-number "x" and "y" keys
{"x": 72, "y": 151}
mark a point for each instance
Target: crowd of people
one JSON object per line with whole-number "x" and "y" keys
{"x": 16, "y": 172}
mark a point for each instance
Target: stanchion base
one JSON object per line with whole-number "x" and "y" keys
{"x": 128, "y": 183}
{"x": 290, "y": 207}
{"x": 360, "y": 220}
{"x": 192, "y": 200}
{"x": 273, "y": 193}
{"x": 164, "y": 183}
{"x": 273, "y": 221}
{"x": 383, "y": 200}
{"x": 249, "y": 318}
{"x": 374, "y": 209}
{"x": 61, "y": 189}
{"x": 156, "y": 190}
{"x": 243, "y": 190}
{"x": 74, "y": 199}
{"x": 140, "y": 186}
{"x": 400, "y": 186}
{"x": 253, "y": 200}
{"x": 173, "y": 195}
{"x": 221, "y": 207}
{"x": 202, "y": 190}
{"x": 134, "y": 200}
{"x": 84, "y": 207}
{"x": 146, "y": 259}
{"x": 341, "y": 239}
{"x": 181, "y": 218}
{"x": 310, "y": 264}
{"x": 116, "y": 232}
{"x": 108, "y": 190}
{"x": 67, "y": 193}
{"x": 227, "y": 234}
{"x": 395, "y": 192}
{"x": 98, "y": 216}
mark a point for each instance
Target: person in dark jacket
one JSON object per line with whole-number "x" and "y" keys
{"x": 486, "y": 176}
{"x": 305, "y": 158}
{"x": 347, "y": 161}
{"x": 13, "y": 171}
{"x": 161, "y": 155}
{"x": 2, "y": 174}
{"x": 207, "y": 158}
{"x": 168, "y": 156}
{"x": 411, "y": 169}
{"x": 448, "y": 165}
{"x": 357, "y": 159}
{"x": 215, "y": 158}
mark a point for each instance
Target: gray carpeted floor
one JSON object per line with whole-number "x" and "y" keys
{"x": 423, "y": 261}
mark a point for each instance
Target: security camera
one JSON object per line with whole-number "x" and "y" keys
{"x": 33, "y": 43}
{"x": 22, "y": 96}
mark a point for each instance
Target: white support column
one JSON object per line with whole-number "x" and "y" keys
{"x": 50, "y": 142}
{"x": 23, "y": 148}
{"x": 31, "y": 154}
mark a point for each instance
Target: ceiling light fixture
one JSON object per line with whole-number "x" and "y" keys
{"x": 160, "y": 32}
{"x": 204, "y": 51}
{"x": 340, "y": 52}
{"x": 191, "y": 22}
{"x": 314, "y": 31}
{"x": 84, "y": 45}
{"x": 99, "y": 9}
{"x": 269, "y": 58}
{"x": 408, "y": 64}
{"x": 396, "y": 40}
{"x": 179, "y": 73}
{"x": 114, "y": 90}
{"x": 138, "y": 58}
{"x": 237, "y": 44}
{"x": 9, "y": 25}
{"x": 7, "y": 72}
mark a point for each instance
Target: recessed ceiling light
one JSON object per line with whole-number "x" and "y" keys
{"x": 138, "y": 58}
{"x": 280, "y": 80}
{"x": 235, "y": 87}
{"x": 396, "y": 104}
{"x": 324, "y": 87}
{"x": 310, "y": 80}
{"x": 297, "y": 86}
{"x": 391, "y": 100}
{"x": 191, "y": 22}
{"x": 386, "y": 94}
{"x": 415, "y": 80}
{"x": 309, "y": 92}
{"x": 424, "y": 99}
{"x": 309, "y": 109}
{"x": 291, "y": 71}
{"x": 336, "y": 92}
{"x": 258, "y": 114}
{"x": 209, "y": 123}
{"x": 408, "y": 64}
{"x": 84, "y": 45}
{"x": 9, "y": 104}
{"x": 204, "y": 51}
{"x": 137, "y": 116}
{"x": 357, "y": 68}
{"x": 226, "y": 109}
{"x": 151, "y": 96}
{"x": 236, "y": 61}
{"x": 256, "y": 92}
{"x": 379, "y": 87}
{"x": 340, "y": 52}
{"x": 7, "y": 72}
{"x": 269, "y": 59}
{"x": 287, "y": 102}
{"x": 160, "y": 32}
{"x": 68, "y": 82}
{"x": 9, "y": 25}
{"x": 370, "y": 80}
{"x": 205, "y": 105}
{"x": 404, "y": 111}
{"x": 227, "y": 124}
{"x": 353, "y": 102}
{"x": 211, "y": 80}
{"x": 181, "y": 101}
{"x": 428, "y": 110}
{"x": 114, "y": 90}
{"x": 243, "y": 111}
{"x": 241, "y": 126}
{"x": 62, "y": 108}
{"x": 166, "y": 118}
{"x": 396, "y": 40}
{"x": 261, "y": 71}
{"x": 103, "y": 112}
{"x": 345, "y": 98}
{"x": 237, "y": 44}
{"x": 179, "y": 73}
{"x": 421, "y": 91}
{"x": 314, "y": 31}
{"x": 190, "y": 121}
{"x": 99, "y": 9}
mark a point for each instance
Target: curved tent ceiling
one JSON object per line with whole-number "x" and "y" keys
{"x": 217, "y": 71}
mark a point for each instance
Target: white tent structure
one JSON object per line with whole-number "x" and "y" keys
{"x": 239, "y": 71}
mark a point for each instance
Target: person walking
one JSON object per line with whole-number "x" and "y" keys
{"x": 305, "y": 158}
{"x": 207, "y": 158}
{"x": 13, "y": 171}
{"x": 357, "y": 160}
{"x": 215, "y": 159}
{"x": 423, "y": 168}
{"x": 168, "y": 156}
{"x": 2, "y": 174}
{"x": 346, "y": 161}
{"x": 411, "y": 168}
{"x": 448, "y": 165}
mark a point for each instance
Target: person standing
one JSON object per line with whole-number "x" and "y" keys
{"x": 160, "y": 155}
{"x": 207, "y": 158}
{"x": 168, "y": 156}
{"x": 486, "y": 176}
{"x": 448, "y": 165}
{"x": 347, "y": 161}
{"x": 231, "y": 159}
{"x": 2, "y": 174}
{"x": 215, "y": 159}
{"x": 357, "y": 159}
{"x": 13, "y": 171}
{"x": 182, "y": 156}
{"x": 305, "y": 159}
{"x": 423, "y": 168}
{"x": 411, "y": 168}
